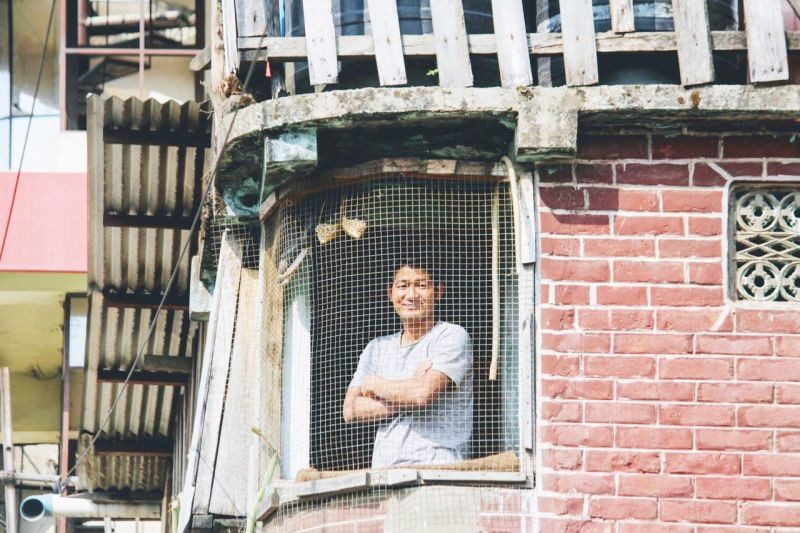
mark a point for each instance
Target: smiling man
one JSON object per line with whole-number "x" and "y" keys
{"x": 418, "y": 381}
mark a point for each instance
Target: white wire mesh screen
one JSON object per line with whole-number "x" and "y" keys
{"x": 337, "y": 257}
{"x": 766, "y": 222}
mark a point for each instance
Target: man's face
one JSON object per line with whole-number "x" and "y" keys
{"x": 413, "y": 294}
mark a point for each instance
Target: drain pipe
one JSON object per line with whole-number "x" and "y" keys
{"x": 34, "y": 508}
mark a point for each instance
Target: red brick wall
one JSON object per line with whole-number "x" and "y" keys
{"x": 663, "y": 406}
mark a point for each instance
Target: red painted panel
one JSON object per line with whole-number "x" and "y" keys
{"x": 48, "y": 229}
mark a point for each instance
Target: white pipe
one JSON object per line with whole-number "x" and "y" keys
{"x": 34, "y": 508}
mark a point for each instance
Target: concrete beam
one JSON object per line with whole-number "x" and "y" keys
{"x": 292, "y": 152}
{"x": 547, "y": 128}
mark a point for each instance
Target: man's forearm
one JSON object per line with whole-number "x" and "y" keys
{"x": 365, "y": 409}
{"x": 403, "y": 392}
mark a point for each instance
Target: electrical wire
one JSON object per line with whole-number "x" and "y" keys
{"x": 28, "y": 129}
{"x": 172, "y": 278}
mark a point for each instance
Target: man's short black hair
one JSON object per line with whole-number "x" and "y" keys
{"x": 417, "y": 263}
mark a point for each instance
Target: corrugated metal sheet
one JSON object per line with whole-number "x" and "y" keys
{"x": 146, "y": 160}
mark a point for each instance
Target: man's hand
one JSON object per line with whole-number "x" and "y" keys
{"x": 422, "y": 368}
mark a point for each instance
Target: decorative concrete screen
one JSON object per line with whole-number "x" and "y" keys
{"x": 399, "y": 327}
{"x": 766, "y": 249}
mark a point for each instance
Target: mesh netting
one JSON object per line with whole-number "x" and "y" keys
{"x": 438, "y": 387}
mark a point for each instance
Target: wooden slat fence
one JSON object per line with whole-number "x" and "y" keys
{"x": 765, "y": 40}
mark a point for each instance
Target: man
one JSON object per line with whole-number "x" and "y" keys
{"x": 418, "y": 381}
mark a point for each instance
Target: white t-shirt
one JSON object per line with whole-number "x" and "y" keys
{"x": 440, "y": 432}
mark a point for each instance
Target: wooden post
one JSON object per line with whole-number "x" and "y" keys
{"x": 766, "y": 41}
{"x": 8, "y": 452}
{"x": 622, "y": 20}
{"x": 694, "y": 42}
{"x": 512, "y": 43}
{"x": 388, "y": 43}
{"x": 580, "y": 48}
{"x": 452, "y": 49}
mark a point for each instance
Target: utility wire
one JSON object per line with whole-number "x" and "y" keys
{"x": 28, "y": 129}
{"x": 173, "y": 276}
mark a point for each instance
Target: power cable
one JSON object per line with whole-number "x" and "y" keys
{"x": 28, "y": 129}
{"x": 173, "y": 276}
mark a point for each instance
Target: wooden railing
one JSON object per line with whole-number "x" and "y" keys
{"x": 253, "y": 36}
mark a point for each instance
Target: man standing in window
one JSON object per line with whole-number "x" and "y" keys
{"x": 418, "y": 381}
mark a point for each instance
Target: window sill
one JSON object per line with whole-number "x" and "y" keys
{"x": 289, "y": 492}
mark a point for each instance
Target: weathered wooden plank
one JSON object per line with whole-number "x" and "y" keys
{"x": 388, "y": 43}
{"x": 229, "y": 37}
{"x": 251, "y": 18}
{"x": 621, "y": 16}
{"x": 580, "y": 51}
{"x": 795, "y": 6}
{"x": 512, "y": 43}
{"x": 142, "y": 377}
{"x": 229, "y": 492}
{"x": 694, "y": 41}
{"x": 219, "y": 352}
{"x": 323, "y": 65}
{"x": 167, "y": 363}
{"x": 766, "y": 41}
{"x": 452, "y": 50}
{"x": 361, "y": 46}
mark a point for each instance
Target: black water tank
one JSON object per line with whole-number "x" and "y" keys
{"x": 649, "y": 67}
{"x": 350, "y": 17}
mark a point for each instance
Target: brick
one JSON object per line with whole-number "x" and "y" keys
{"x": 653, "y": 174}
{"x": 759, "y": 146}
{"x": 696, "y": 415}
{"x": 787, "y": 490}
{"x": 684, "y": 147}
{"x": 615, "y": 319}
{"x": 775, "y": 416}
{"x": 787, "y": 346}
{"x": 788, "y": 441}
{"x": 554, "y": 173}
{"x": 612, "y": 147}
{"x": 705, "y": 273}
{"x": 652, "y": 343}
{"x": 557, "y": 318}
{"x": 731, "y": 529}
{"x": 735, "y": 392}
{"x": 658, "y": 486}
{"x": 702, "y": 463}
{"x": 562, "y": 198}
{"x": 562, "y": 411}
{"x": 648, "y": 272}
{"x": 619, "y": 461}
{"x": 559, "y": 365}
{"x": 560, "y": 505}
{"x": 583, "y": 389}
{"x": 594, "y": 173}
{"x": 693, "y": 320}
{"x": 734, "y": 439}
{"x": 560, "y": 246}
{"x": 620, "y": 367}
{"x": 621, "y": 413}
{"x": 655, "y": 390}
{"x": 578, "y": 435}
{"x": 619, "y": 247}
{"x": 783, "y": 169}
{"x": 616, "y": 295}
{"x": 762, "y": 321}
{"x": 727, "y": 488}
{"x": 788, "y": 394}
{"x": 653, "y": 527}
{"x": 785, "y": 515}
{"x": 647, "y": 225}
{"x": 701, "y": 511}
{"x": 619, "y": 199}
{"x": 734, "y": 344}
{"x": 584, "y": 483}
{"x": 577, "y": 342}
{"x": 691, "y": 201}
{"x": 571, "y": 294}
{"x": 623, "y": 508}
{"x": 695, "y": 368}
{"x": 552, "y": 525}
{"x": 686, "y": 296}
{"x": 687, "y": 248}
{"x": 768, "y": 369}
{"x": 560, "y": 459}
{"x": 705, "y": 176}
{"x": 653, "y": 438}
{"x": 705, "y": 226}
{"x": 772, "y": 465}
{"x": 575, "y": 269}
{"x": 574, "y": 224}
